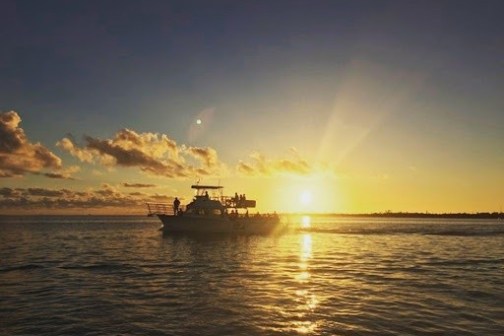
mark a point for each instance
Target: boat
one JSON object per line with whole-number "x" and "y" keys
{"x": 214, "y": 213}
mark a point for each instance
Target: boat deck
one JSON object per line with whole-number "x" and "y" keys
{"x": 159, "y": 209}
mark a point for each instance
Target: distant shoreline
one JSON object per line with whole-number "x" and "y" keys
{"x": 462, "y": 215}
{"x": 478, "y": 215}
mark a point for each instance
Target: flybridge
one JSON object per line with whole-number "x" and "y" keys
{"x": 237, "y": 202}
{"x": 197, "y": 186}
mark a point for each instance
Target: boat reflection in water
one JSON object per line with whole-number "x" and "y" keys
{"x": 214, "y": 213}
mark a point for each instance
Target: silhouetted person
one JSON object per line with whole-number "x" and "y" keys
{"x": 176, "y": 204}
{"x": 206, "y": 195}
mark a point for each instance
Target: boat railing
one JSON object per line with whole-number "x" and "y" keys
{"x": 233, "y": 202}
{"x": 159, "y": 209}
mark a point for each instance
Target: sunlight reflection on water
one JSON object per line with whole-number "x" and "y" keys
{"x": 349, "y": 276}
{"x": 305, "y": 222}
{"x": 307, "y": 300}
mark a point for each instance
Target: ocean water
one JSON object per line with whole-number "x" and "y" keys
{"x": 338, "y": 276}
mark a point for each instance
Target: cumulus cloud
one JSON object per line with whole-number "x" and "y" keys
{"x": 152, "y": 153}
{"x": 17, "y": 153}
{"x": 259, "y": 165}
{"x": 83, "y": 155}
{"x": 19, "y": 156}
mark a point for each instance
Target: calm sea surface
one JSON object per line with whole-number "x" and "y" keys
{"x": 341, "y": 276}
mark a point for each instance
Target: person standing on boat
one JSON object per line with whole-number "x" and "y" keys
{"x": 176, "y": 204}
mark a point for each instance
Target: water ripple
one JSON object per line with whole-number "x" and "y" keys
{"x": 78, "y": 277}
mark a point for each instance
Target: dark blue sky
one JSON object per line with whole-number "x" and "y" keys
{"x": 107, "y": 58}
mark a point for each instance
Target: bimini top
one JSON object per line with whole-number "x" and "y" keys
{"x": 197, "y": 186}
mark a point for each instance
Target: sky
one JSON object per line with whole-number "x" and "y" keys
{"x": 305, "y": 106}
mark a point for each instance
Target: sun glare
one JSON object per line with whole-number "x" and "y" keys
{"x": 306, "y": 197}
{"x": 310, "y": 194}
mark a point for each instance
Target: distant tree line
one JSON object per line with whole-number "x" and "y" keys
{"x": 389, "y": 214}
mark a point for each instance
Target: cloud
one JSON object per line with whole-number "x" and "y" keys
{"x": 11, "y": 135}
{"x": 83, "y": 155}
{"x": 207, "y": 155}
{"x": 138, "y": 185}
{"x": 9, "y": 192}
{"x": 259, "y": 165}
{"x": 152, "y": 153}
{"x": 19, "y": 156}
{"x": 137, "y": 193}
{"x": 46, "y": 198}
{"x": 152, "y": 197}
{"x": 45, "y": 192}
{"x": 63, "y": 173}
{"x": 108, "y": 190}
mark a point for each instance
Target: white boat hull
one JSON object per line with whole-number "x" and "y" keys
{"x": 220, "y": 224}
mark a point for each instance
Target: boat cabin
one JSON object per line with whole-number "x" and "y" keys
{"x": 215, "y": 204}
{"x": 204, "y": 204}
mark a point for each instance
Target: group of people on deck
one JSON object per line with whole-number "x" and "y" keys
{"x": 239, "y": 199}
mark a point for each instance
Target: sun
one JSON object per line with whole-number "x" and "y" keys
{"x": 305, "y": 197}
{"x": 309, "y": 194}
